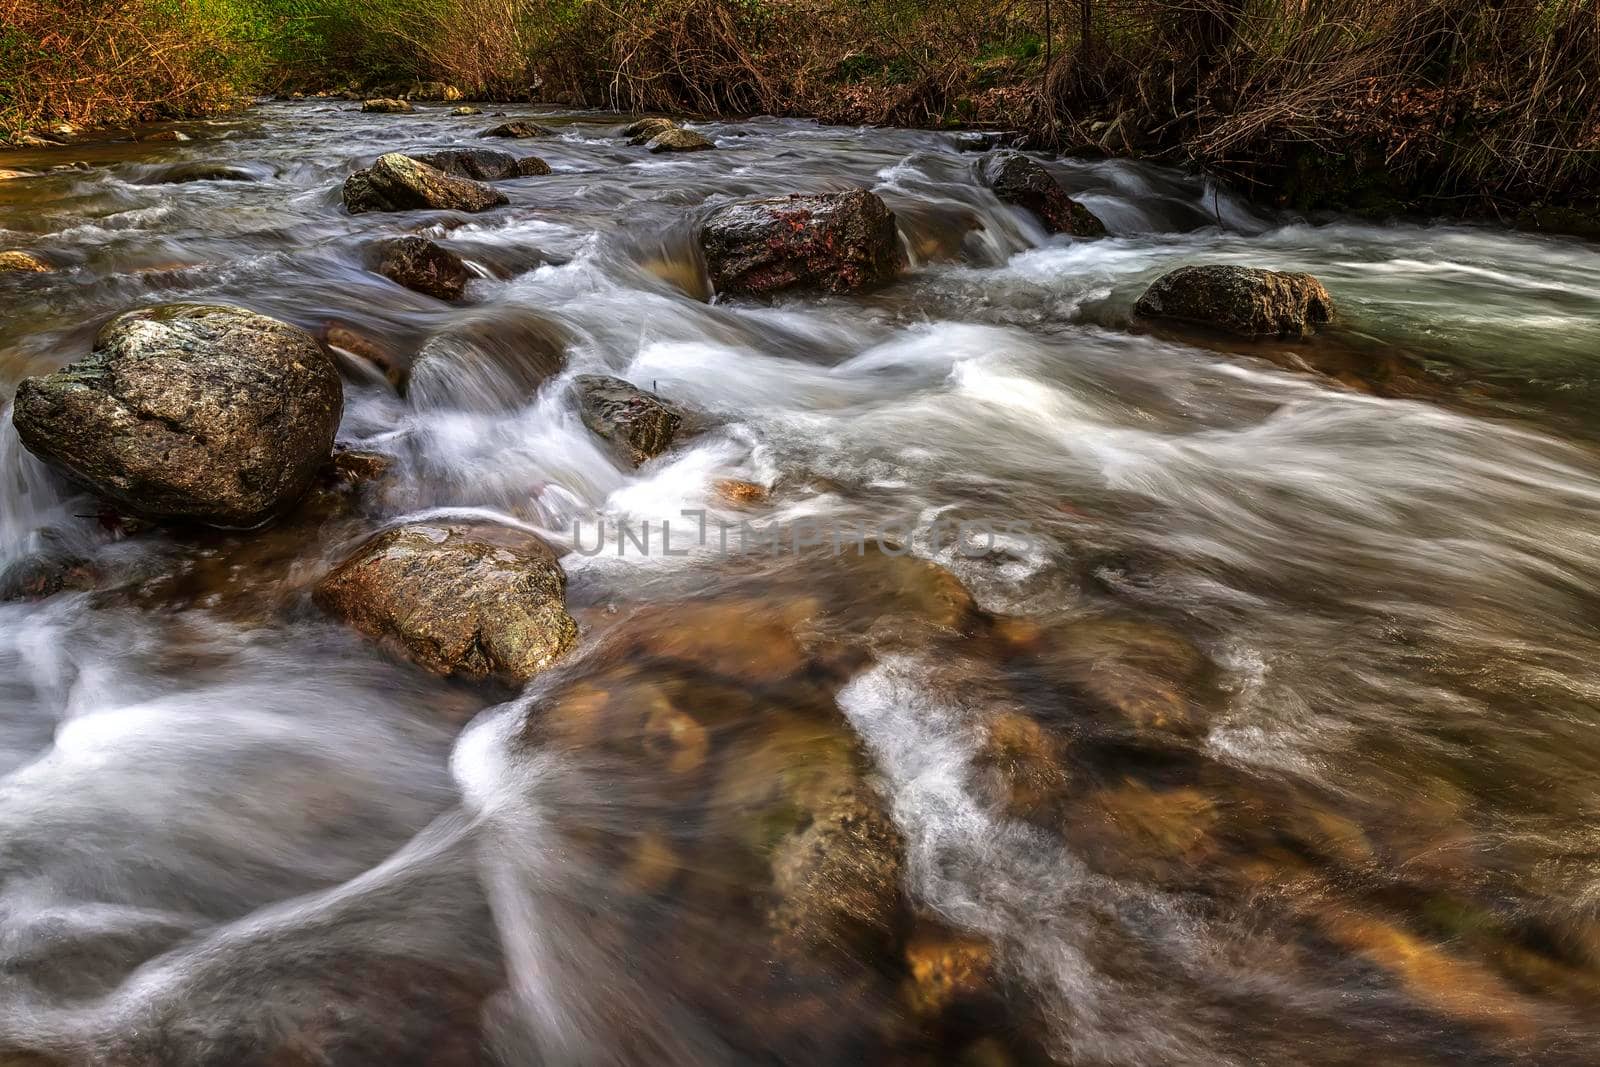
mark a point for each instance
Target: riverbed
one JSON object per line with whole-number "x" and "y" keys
{"x": 1253, "y": 719}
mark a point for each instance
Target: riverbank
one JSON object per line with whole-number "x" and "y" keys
{"x": 1379, "y": 109}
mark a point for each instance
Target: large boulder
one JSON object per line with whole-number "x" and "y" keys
{"x": 679, "y": 140}
{"x": 23, "y": 263}
{"x": 637, "y": 424}
{"x": 419, "y": 264}
{"x": 387, "y": 106}
{"x": 835, "y": 242}
{"x": 482, "y": 164}
{"x": 189, "y": 411}
{"x": 518, "y": 128}
{"x": 1241, "y": 300}
{"x": 477, "y": 600}
{"x": 397, "y": 182}
{"x": 1021, "y": 181}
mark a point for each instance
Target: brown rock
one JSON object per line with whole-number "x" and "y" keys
{"x": 639, "y": 425}
{"x": 518, "y": 128}
{"x": 417, "y": 263}
{"x": 1020, "y": 767}
{"x": 678, "y": 140}
{"x": 482, "y": 164}
{"x": 399, "y": 183}
{"x": 1241, "y": 300}
{"x": 387, "y": 106}
{"x": 642, "y": 131}
{"x": 470, "y": 599}
{"x": 1021, "y": 181}
{"x": 189, "y": 411}
{"x": 740, "y": 494}
{"x": 23, "y": 263}
{"x": 947, "y": 968}
{"x": 835, "y": 242}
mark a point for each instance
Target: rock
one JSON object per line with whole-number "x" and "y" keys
{"x": 467, "y": 109}
{"x": 738, "y": 493}
{"x": 638, "y": 425}
{"x": 482, "y": 164}
{"x": 678, "y": 140}
{"x": 434, "y": 91}
{"x": 44, "y": 574}
{"x": 835, "y": 242}
{"x": 1151, "y": 676}
{"x": 189, "y": 411}
{"x": 206, "y": 172}
{"x": 6, "y": 174}
{"x": 947, "y": 968}
{"x": 750, "y": 642}
{"x": 796, "y": 797}
{"x": 352, "y": 342}
{"x": 518, "y": 128}
{"x": 1241, "y": 300}
{"x": 1021, "y": 181}
{"x": 1020, "y": 766}
{"x": 644, "y": 130}
{"x": 166, "y": 135}
{"x": 470, "y": 599}
{"x": 23, "y": 263}
{"x": 387, "y": 106}
{"x": 493, "y": 361}
{"x": 399, "y": 183}
{"x": 419, "y": 264}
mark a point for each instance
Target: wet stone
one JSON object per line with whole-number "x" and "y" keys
{"x": 1024, "y": 182}
{"x": 638, "y": 425}
{"x": 476, "y": 600}
{"x": 189, "y": 411}
{"x": 423, "y": 266}
{"x": 519, "y": 128}
{"x": 397, "y": 182}
{"x": 1239, "y": 300}
{"x": 834, "y": 242}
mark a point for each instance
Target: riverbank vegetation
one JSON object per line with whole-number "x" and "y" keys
{"x": 1377, "y": 105}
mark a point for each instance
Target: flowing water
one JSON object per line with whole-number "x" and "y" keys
{"x": 1263, "y": 728}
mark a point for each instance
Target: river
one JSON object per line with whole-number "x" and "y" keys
{"x": 1305, "y": 631}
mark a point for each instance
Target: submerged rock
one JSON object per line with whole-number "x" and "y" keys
{"x": 44, "y": 574}
{"x": 417, "y": 263}
{"x": 189, "y": 411}
{"x": 739, "y": 493}
{"x": 638, "y": 424}
{"x": 1241, "y": 300}
{"x": 947, "y": 969}
{"x": 207, "y": 172}
{"x": 1025, "y": 183}
{"x": 518, "y": 128}
{"x": 642, "y": 131}
{"x": 470, "y": 599}
{"x": 23, "y": 263}
{"x": 679, "y": 140}
{"x": 493, "y": 361}
{"x": 397, "y": 182}
{"x": 835, "y": 242}
{"x": 166, "y": 135}
{"x": 797, "y": 796}
{"x": 387, "y": 106}
{"x": 482, "y": 164}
